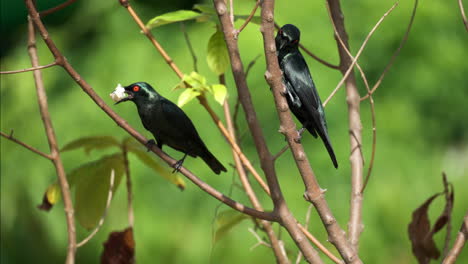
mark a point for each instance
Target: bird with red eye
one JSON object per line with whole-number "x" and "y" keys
{"x": 169, "y": 125}
{"x": 301, "y": 94}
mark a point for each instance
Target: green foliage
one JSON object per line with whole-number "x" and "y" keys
{"x": 90, "y": 143}
{"x": 172, "y": 17}
{"x": 91, "y": 182}
{"x": 196, "y": 85}
{"x": 217, "y": 54}
{"x": 225, "y": 221}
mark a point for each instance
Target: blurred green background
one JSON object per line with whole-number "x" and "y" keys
{"x": 421, "y": 111}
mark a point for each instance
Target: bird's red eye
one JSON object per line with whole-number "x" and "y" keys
{"x": 136, "y": 88}
{"x": 295, "y": 41}
{"x": 280, "y": 32}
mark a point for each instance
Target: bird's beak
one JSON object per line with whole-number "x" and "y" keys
{"x": 280, "y": 42}
{"x": 128, "y": 98}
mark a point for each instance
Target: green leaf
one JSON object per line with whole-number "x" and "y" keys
{"x": 207, "y": 9}
{"x": 217, "y": 57}
{"x": 219, "y": 93}
{"x": 92, "y": 182}
{"x": 90, "y": 143}
{"x": 225, "y": 221}
{"x": 196, "y": 80}
{"x": 186, "y": 96}
{"x": 162, "y": 170}
{"x": 171, "y": 17}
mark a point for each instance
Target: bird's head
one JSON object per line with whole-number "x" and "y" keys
{"x": 139, "y": 92}
{"x": 288, "y": 37}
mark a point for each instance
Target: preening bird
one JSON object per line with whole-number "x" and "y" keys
{"x": 301, "y": 94}
{"x": 169, "y": 125}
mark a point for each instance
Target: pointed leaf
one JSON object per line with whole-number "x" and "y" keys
{"x": 149, "y": 161}
{"x": 219, "y": 93}
{"x": 90, "y": 143}
{"x": 217, "y": 57}
{"x": 423, "y": 244}
{"x": 51, "y": 197}
{"x": 187, "y": 96}
{"x": 92, "y": 182}
{"x": 225, "y": 221}
{"x": 171, "y": 17}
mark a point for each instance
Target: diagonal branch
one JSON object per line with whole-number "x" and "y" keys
{"x": 246, "y": 22}
{"x": 30, "y": 69}
{"x": 56, "y": 8}
{"x": 462, "y": 11}
{"x": 460, "y": 241}
{"x": 130, "y": 130}
{"x": 10, "y": 137}
{"x": 51, "y": 138}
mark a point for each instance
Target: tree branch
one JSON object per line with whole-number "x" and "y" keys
{"x": 10, "y": 137}
{"x": 30, "y": 69}
{"x": 53, "y": 145}
{"x": 462, "y": 11}
{"x": 287, "y": 126}
{"x": 460, "y": 241}
{"x": 246, "y": 22}
{"x": 123, "y": 124}
{"x": 57, "y": 8}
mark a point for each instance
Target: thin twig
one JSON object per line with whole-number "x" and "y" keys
{"x": 101, "y": 221}
{"x": 130, "y": 214}
{"x": 307, "y": 220}
{"x": 189, "y": 45}
{"x": 30, "y": 69}
{"x": 312, "y": 54}
{"x": 462, "y": 11}
{"x": 130, "y": 130}
{"x": 363, "y": 45}
{"x": 246, "y": 22}
{"x": 280, "y": 255}
{"x": 396, "y": 53}
{"x": 283, "y": 150}
{"x": 10, "y": 137}
{"x": 259, "y": 240}
{"x": 250, "y": 65}
{"x": 57, "y": 8}
{"x": 201, "y": 99}
{"x": 460, "y": 241}
{"x": 319, "y": 245}
{"x": 51, "y": 138}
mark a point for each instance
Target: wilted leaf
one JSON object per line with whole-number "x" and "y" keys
{"x": 217, "y": 53}
{"x": 186, "y": 96}
{"x": 423, "y": 244}
{"x": 225, "y": 221}
{"x": 90, "y": 143}
{"x": 119, "y": 248}
{"x": 51, "y": 197}
{"x": 219, "y": 93}
{"x": 92, "y": 182}
{"x": 149, "y": 161}
{"x": 171, "y": 17}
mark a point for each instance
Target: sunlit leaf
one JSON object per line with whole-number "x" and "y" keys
{"x": 219, "y": 93}
{"x": 196, "y": 80}
{"x": 92, "y": 182}
{"x": 171, "y": 17}
{"x": 186, "y": 96}
{"x": 217, "y": 53}
{"x": 225, "y": 221}
{"x": 148, "y": 160}
{"x": 119, "y": 248}
{"x": 51, "y": 197}
{"x": 90, "y": 143}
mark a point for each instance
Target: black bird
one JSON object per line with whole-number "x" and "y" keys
{"x": 301, "y": 94}
{"x": 169, "y": 125}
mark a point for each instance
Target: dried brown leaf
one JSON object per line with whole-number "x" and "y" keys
{"x": 119, "y": 248}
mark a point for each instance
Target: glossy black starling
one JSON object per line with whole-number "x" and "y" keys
{"x": 301, "y": 94}
{"x": 169, "y": 124}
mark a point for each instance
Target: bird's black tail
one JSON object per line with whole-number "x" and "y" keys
{"x": 326, "y": 141}
{"x": 212, "y": 162}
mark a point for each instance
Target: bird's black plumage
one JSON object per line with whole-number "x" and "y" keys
{"x": 301, "y": 94}
{"x": 169, "y": 124}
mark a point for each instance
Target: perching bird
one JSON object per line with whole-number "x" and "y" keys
{"x": 301, "y": 94}
{"x": 169, "y": 125}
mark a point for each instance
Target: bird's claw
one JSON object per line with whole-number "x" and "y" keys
{"x": 299, "y": 135}
{"x": 150, "y": 144}
{"x": 177, "y": 166}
